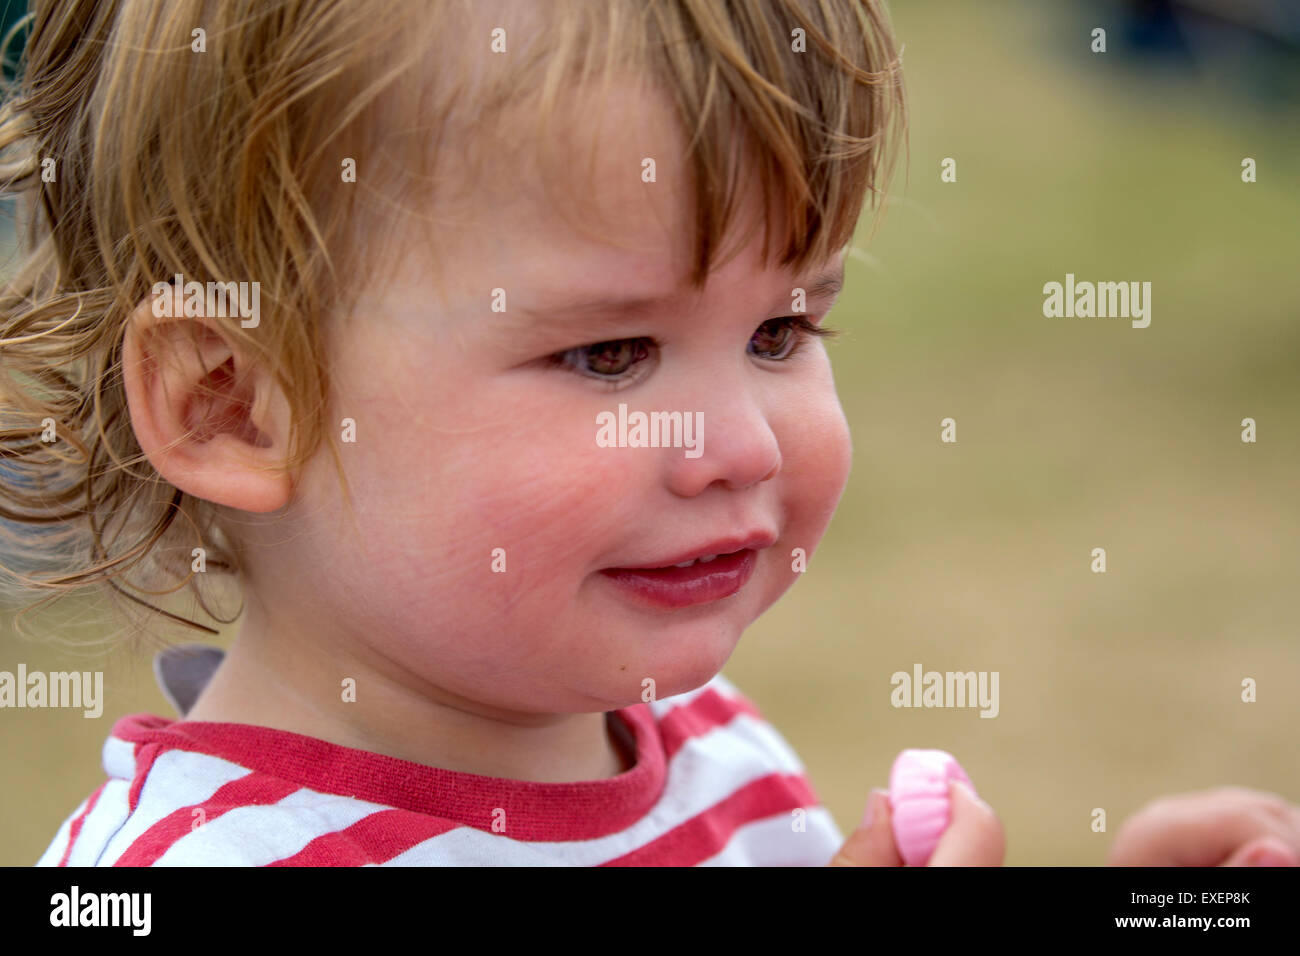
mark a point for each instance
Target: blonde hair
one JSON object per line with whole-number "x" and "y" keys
{"x": 223, "y": 164}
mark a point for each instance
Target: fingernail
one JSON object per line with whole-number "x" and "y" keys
{"x": 1270, "y": 856}
{"x": 970, "y": 793}
{"x": 874, "y": 806}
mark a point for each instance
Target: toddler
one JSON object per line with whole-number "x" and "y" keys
{"x": 479, "y": 344}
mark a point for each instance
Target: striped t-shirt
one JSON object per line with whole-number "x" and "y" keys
{"x": 713, "y": 785}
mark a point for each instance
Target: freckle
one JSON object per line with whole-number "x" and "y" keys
{"x": 622, "y": 667}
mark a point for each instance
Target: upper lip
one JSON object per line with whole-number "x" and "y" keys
{"x": 754, "y": 539}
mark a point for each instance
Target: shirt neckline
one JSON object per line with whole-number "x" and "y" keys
{"x": 532, "y": 810}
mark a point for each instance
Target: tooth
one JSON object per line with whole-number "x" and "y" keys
{"x": 707, "y": 558}
{"x": 685, "y": 564}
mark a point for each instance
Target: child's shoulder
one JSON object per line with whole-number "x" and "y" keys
{"x": 749, "y": 784}
{"x": 166, "y": 802}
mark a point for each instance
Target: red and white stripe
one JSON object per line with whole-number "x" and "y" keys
{"x": 714, "y": 785}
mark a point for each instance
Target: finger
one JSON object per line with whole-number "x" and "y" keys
{"x": 974, "y": 837}
{"x": 872, "y": 843}
{"x": 1202, "y": 828}
{"x": 1266, "y": 851}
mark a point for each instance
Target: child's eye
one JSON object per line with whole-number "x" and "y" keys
{"x": 609, "y": 361}
{"x": 778, "y": 339}
{"x": 775, "y": 340}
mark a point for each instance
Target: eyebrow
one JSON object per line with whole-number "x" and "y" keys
{"x": 617, "y": 309}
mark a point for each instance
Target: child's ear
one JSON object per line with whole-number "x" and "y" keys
{"x": 211, "y": 422}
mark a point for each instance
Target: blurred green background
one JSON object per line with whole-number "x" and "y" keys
{"x": 1072, "y": 434}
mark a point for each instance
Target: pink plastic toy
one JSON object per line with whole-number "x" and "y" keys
{"x": 918, "y": 799}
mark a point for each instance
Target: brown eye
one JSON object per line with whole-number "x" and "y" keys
{"x": 614, "y": 358}
{"x": 777, "y": 338}
{"x": 605, "y": 359}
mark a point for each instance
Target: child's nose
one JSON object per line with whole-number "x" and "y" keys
{"x": 737, "y": 448}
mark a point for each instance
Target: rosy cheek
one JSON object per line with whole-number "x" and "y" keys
{"x": 547, "y": 505}
{"x": 840, "y": 443}
{"x": 817, "y": 460}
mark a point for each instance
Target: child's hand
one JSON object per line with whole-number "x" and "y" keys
{"x": 973, "y": 838}
{"x": 1226, "y": 826}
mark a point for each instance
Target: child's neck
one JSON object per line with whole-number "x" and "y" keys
{"x": 271, "y": 678}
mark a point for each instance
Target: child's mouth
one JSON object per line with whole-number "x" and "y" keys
{"x": 704, "y": 579}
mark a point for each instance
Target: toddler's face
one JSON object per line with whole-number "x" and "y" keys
{"x": 471, "y": 438}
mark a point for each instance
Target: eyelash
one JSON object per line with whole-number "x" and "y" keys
{"x": 803, "y": 330}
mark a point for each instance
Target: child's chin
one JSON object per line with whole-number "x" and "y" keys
{"x": 691, "y": 661}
